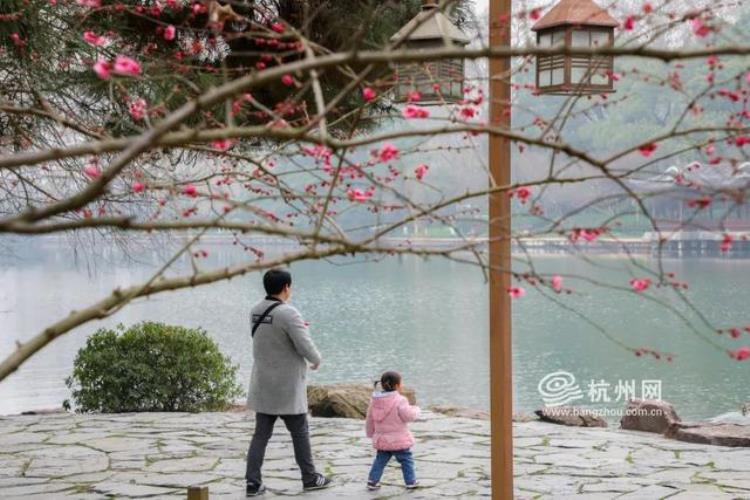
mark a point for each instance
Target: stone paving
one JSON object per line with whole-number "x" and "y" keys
{"x": 158, "y": 455}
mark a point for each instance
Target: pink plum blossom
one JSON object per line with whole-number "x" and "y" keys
{"x": 516, "y": 292}
{"x": 629, "y": 24}
{"x": 700, "y": 29}
{"x": 741, "y": 354}
{"x": 126, "y": 66}
{"x": 170, "y": 32}
{"x": 640, "y": 284}
{"x": 368, "y": 94}
{"x": 647, "y": 149}
{"x": 557, "y": 283}
{"x": 414, "y": 96}
{"x": 388, "y": 152}
{"x": 726, "y": 243}
{"x": 413, "y": 111}
{"x": 103, "y": 69}
{"x": 137, "y": 109}
{"x": 92, "y": 171}
{"x": 359, "y": 195}
{"x": 221, "y": 144}
{"x": 93, "y": 39}
{"x": 421, "y": 170}
{"x": 522, "y": 193}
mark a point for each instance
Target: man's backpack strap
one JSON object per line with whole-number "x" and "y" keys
{"x": 263, "y": 316}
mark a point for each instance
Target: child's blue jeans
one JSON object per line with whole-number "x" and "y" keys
{"x": 404, "y": 457}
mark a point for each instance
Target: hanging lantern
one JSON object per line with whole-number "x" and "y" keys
{"x": 437, "y": 81}
{"x": 575, "y": 24}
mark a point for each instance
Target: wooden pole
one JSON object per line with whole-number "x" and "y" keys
{"x": 197, "y": 493}
{"x": 501, "y": 372}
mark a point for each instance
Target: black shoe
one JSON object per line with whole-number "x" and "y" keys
{"x": 253, "y": 490}
{"x": 319, "y": 483}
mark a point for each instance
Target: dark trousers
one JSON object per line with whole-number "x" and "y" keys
{"x": 297, "y": 427}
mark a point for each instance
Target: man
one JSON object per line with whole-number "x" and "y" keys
{"x": 282, "y": 348}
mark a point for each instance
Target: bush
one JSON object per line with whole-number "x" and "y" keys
{"x": 152, "y": 367}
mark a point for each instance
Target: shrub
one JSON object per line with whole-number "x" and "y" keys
{"x": 152, "y": 367}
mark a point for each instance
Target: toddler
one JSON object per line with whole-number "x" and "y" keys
{"x": 387, "y": 418}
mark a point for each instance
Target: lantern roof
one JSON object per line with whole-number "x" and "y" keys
{"x": 576, "y": 12}
{"x": 431, "y": 24}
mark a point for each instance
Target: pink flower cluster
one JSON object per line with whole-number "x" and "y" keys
{"x": 741, "y": 354}
{"x": 123, "y": 66}
{"x": 137, "y": 109}
{"x": 522, "y": 193}
{"x": 388, "y": 152}
{"x": 640, "y": 284}
{"x": 588, "y": 235}
{"x": 413, "y": 111}
{"x": 93, "y": 39}
{"x": 359, "y": 195}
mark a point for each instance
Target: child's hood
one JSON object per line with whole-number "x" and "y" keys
{"x": 383, "y": 403}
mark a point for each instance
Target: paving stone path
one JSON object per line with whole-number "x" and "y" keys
{"x": 157, "y": 455}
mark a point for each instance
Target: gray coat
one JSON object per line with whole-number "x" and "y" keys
{"x": 282, "y": 347}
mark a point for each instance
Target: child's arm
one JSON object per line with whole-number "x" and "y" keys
{"x": 407, "y": 412}
{"x": 369, "y": 424}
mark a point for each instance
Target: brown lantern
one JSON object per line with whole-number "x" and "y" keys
{"x": 437, "y": 81}
{"x": 575, "y": 24}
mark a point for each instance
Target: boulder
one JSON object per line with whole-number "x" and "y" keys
{"x": 570, "y": 416}
{"x": 460, "y": 412}
{"x": 716, "y": 434}
{"x": 474, "y": 414}
{"x": 649, "y": 415}
{"x": 344, "y": 400}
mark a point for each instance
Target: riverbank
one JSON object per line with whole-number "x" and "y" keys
{"x": 159, "y": 455}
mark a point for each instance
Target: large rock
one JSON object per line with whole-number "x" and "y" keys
{"x": 649, "y": 415}
{"x": 474, "y": 414}
{"x": 570, "y": 416}
{"x": 716, "y": 434}
{"x": 344, "y": 400}
{"x": 460, "y": 412}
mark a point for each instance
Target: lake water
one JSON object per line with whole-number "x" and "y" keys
{"x": 425, "y": 318}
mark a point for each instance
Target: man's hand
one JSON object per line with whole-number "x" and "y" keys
{"x": 315, "y": 367}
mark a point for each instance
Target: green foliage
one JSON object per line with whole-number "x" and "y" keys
{"x": 152, "y": 367}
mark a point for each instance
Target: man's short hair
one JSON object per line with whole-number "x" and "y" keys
{"x": 275, "y": 280}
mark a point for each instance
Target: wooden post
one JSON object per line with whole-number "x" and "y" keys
{"x": 197, "y": 493}
{"x": 501, "y": 372}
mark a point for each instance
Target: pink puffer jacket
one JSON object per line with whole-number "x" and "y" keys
{"x": 387, "y": 419}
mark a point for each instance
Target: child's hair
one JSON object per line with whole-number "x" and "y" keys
{"x": 388, "y": 381}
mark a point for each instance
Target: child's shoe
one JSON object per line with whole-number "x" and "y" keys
{"x": 372, "y": 486}
{"x": 412, "y": 486}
